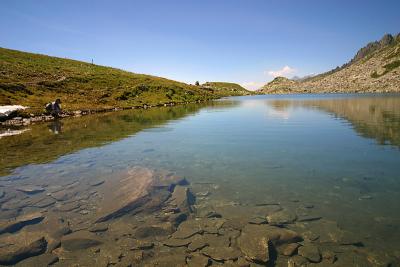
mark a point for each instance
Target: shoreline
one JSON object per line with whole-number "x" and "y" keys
{"x": 18, "y": 121}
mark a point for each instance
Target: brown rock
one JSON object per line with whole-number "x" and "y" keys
{"x": 79, "y": 240}
{"x": 31, "y": 189}
{"x": 258, "y": 220}
{"x": 151, "y": 231}
{"x": 297, "y": 261}
{"x": 33, "y": 249}
{"x": 46, "y": 259}
{"x": 183, "y": 198}
{"x": 289, "y": 249}
{"x": 11, "y": 226}
{"x": 44, "y": 203}
{"x": 98, "y": 227}
{"x": 255, "y": 244}
{"x": 63, "y": 195}
{"x": 310, "y": 252}
{"x": 175, "y": 242}
{"x": 198, "y": 260}
{"x": 97, "y": 182}
{"x": 187, "y": 229}
{"x": 69, "y": 206}
{"x": 221, "y": 253}
{"x": 197, "y": 242}
{"x": 124, "y": 193}
{"x": 281, "y": 218}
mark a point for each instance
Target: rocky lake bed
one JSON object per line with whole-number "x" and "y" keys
{"x": 144, "y": 217}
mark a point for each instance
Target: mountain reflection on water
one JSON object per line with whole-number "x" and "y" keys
{"x": 371, "y": 116}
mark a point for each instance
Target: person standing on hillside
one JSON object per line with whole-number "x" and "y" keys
{"x": 54, "y": 108}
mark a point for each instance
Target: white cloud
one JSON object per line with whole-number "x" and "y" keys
{"x": 252, "y": 86}
{"x": 285, "y": 71}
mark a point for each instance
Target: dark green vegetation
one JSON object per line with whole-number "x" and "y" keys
{"x": 34, "y": 80}
{"x": 224, "y": 88}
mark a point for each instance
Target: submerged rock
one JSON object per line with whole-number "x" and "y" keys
{"x": 281, "y": 218}
{"x": 97, "y": 182}
{"x": 257, "y": 220}
{"x": 131, "y": 190}
{"x": 177, "y": 218}
{"x": 198, "y": 242}
{"x": 221, "y": 253}
{"x": 256, "y": 241}
{"x": 329, "y": 256}
{"x": 151, "y": 231}
{"x": 204, "y": 225}
{"x": 310, "y": 252}
{"x": 176, "y": 242}
{"x": 187, "y": 229}
{"x": 308, "y": 218}
{"x": 79, "y": 240}
{"x": 128, "y": 243}
{"x": 254, "y": 246}
{"x": 99, "y": 227}
{"x": 31, "y": 189}
{"x": 33, "y": 249}
{"x": 207, "y": 212}
{"x": 46, "y": 259}
{"x": 63, "y": 195}
{"x": 289, "y": 249}
{"x": 44, "y": 203}
{"x": 124, "y": 193}
{"x": 297, "y": 261}
{"x": 11, "y": 226}
{"x": 176, "y": 259}
{"x": 198, "y": 260}
{"x": 183, "y": 198}
{"x": 69, "y": 206}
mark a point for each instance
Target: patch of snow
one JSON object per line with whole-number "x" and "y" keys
{"x": 12, "y": 132}
{"x": 7, "y": 110}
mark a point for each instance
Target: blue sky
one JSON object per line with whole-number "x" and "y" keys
{"x": 247, "y": 42}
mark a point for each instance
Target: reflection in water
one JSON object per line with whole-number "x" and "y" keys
{"x": 55, "y": 126}
{"x": 371, "y": 117}
{"x": 258, "y": 166}
{"x": 43, "y": 144}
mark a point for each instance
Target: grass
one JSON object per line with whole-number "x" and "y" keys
{"x": 225, "y": 88}
{"x": 34, "y": 80}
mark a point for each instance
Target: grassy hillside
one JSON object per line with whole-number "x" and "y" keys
{"x": 375, "y": 68}
{"x": 224, "y": 88}
{"x": 34, "y": 80}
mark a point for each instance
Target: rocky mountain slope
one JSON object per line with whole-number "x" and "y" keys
{"x": 374, "y": 68}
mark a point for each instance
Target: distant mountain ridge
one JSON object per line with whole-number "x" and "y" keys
{"x": 374, "y": 68}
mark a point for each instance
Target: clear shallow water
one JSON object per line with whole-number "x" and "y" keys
{"x": 339, "y": 153}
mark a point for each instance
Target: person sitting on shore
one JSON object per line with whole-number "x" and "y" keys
{"x": 54, "y": 108}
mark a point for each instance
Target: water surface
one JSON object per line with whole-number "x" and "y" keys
{"x": 337, "y": 153}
